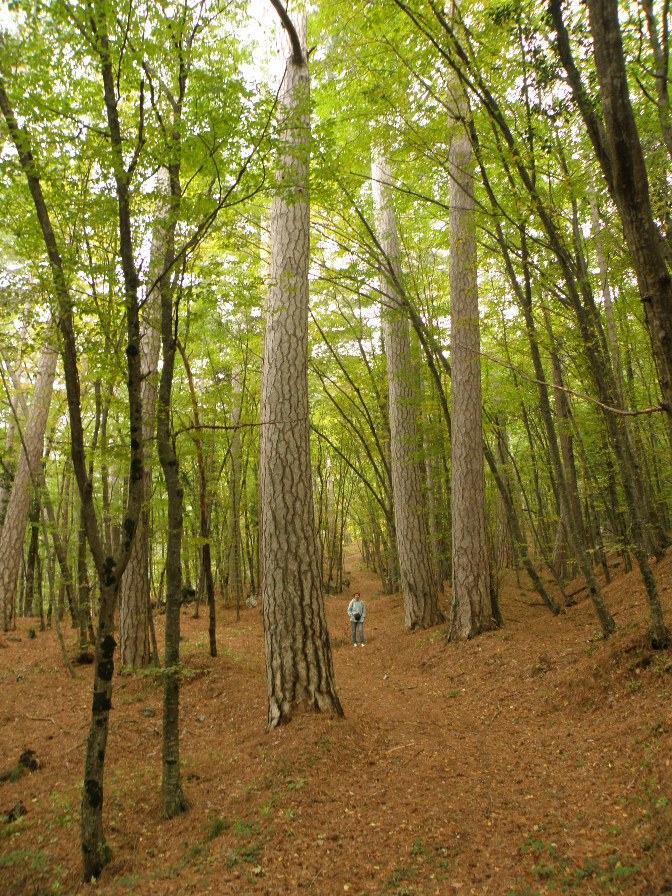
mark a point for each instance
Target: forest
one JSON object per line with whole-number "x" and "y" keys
{"x": 299, "y": 302}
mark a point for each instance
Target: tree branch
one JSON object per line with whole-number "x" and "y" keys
{"x": 297, "y": 50}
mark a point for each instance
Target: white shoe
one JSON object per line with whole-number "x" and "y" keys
{"x": 354, "y": 645}
{"x": 362, "y": 645}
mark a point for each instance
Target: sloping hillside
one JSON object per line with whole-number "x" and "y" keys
{"x": 535, "y": 759}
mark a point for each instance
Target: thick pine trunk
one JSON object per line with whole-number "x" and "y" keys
{"x": 133, "y": 606}
{"x": 298, "y": 652}
{"x": 471, "y": 611}
{"x": 416, "y": 567}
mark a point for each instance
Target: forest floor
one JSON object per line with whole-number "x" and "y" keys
{"x": 533, "y": 760}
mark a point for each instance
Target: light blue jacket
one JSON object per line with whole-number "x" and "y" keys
{"x": 356, "y": 606}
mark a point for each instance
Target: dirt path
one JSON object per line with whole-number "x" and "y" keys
{"x": 532, "y": 760}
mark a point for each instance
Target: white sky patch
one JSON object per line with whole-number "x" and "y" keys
{"x": 264, "y": 34}
{"x": 7, "y": 20}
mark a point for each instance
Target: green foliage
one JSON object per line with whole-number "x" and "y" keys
{"x": 296, "y": 784}
{"x": 34, "y": 859}
{"x": 217, "y": 828}
{"x": 563, "y": 874}
{"x": 65, "y": 812}
{"x": 14, "y": 773}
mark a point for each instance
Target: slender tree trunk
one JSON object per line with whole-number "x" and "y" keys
{"x": 298, "y": 651}
{"x": 174, "y": 800}
{"x": 95, "y": 851}
{"x": 205, "y": 512}
{"x": 86, "y": 635}
{"x": 16, "y": 419}
{"x": 235, "y": 583}
{"x": 435, "y": 511}
{"x": 607, "y": 298}
{"x": 50, "y": 575}
{"x": 619, "y": 151}
{"x": 418, "y": 579}
{"x": 52, "y": 527}
{"x": 135, "y": 592}
{"x": 6, "y": 473}
{"x": 110, "y": 567}
{"x": 655, "y": 533}
{"x": 563, "y": 416}
{"x": 508, "y": 551}
{"x": 566, "y": 488}
{"x": 31, "y": 560}
{"x": 27, "y": 476}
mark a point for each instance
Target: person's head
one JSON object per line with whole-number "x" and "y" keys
{"x": 356, "y": 595}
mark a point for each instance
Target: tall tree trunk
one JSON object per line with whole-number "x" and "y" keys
{"x": 32, "y": 558}
{"x": 567, "y": 491}
{"x": 418, "y": 579}
{"x": 51, "y": 527}
{"x": 27, "y": 476}
{"x": 174, "y": 800}
{"x": 563, "y": 416}
{"x": 471, "y": 611}
{"x": 619, "y": 151}
{"x": 135, "y": 599}
{"x": 434, "y": 517}
{"x": 110, "y": 567}
{"x": 507, "y": 549}
{"x": 298, "y": 651}
{"x": 95, "y": 851}
{"x": 566, "y": 488}
{"x": 86, "y": 633}
{"x": 607, "y": 298}
{"x": 235, "y": 582}
{"x": 655, "y": 534}
{"x": 204, "y": 508}
{"x": 16, "y": 406}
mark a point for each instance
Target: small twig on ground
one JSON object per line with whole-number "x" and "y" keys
{"x": 39, "y": 718}
{"x": 411, "y": 758}
{"x": 319, "y": 873}
{"x": 401, "y": 747}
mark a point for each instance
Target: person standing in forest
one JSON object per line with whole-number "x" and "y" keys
{"x": 357, "y": 614}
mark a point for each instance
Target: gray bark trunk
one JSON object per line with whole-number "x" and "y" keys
{"x": 298, "y": 652}
{"x": 418, "y": 579}
{"x": 471, "y": 611}
{"x": 26, "y": 478}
